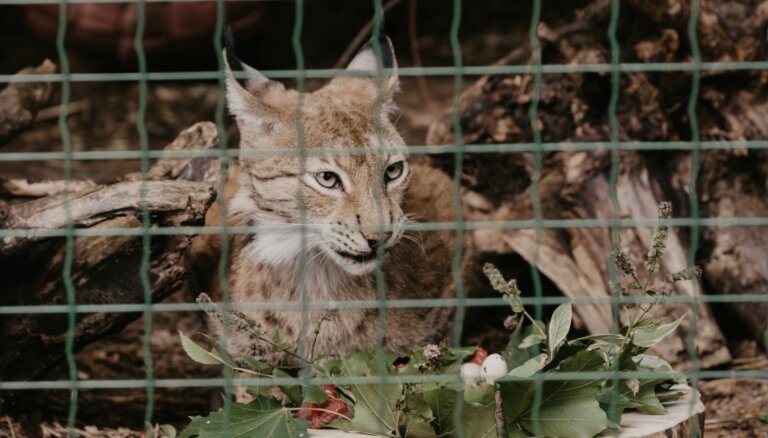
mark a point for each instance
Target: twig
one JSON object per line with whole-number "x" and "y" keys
{"x": 240, "y": 322}
{"x": 360, "y": 37}
{"x": 317, "y": 335}
{"x": 501, "y": 427}
{"x": 53, "y": 112}
{"x": 321, "y": 410}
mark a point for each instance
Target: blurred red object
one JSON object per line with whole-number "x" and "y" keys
{"x": 171, "y": 30}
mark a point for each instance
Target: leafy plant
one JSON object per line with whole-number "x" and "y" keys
{"x": 532, "y": 399}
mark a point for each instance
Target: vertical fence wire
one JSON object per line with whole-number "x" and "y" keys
{"x": 693, "y": 200}
{"x": 298, "y": 51}
{"x": 224, "y": 165}
{"x": 533, "y": 116}
{"x": 66, "y": 142}
{"x": 380, "y": 283}
{"x": 613, "y": 122}
{"x": 458, "y": 281}
{"x": 146, "y": 238}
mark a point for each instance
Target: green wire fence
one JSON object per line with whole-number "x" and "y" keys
{"x": 461, "y": 302}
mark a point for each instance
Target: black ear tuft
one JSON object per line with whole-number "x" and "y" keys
{"x": 229, "y": 43}
{"x": 387, "y": 52}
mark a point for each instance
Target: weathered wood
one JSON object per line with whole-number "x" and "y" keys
{"x": 104, "y": 269}
{"x": 23, "y": 188}
{"x": 651, "y": 107}
{"x": 178, "y": 202}
{"x": 200, "y": 136}
{"x": 20, "y": 101}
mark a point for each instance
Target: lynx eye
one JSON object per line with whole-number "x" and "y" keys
{"x": 393, "y": 171}
{"x": 329, "y": 180}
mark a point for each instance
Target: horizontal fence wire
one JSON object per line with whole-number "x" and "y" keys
{"x": 459, "y": 72}
{"x": 412, "y": 150}
{"x": 363, "y": 380}
{"x": 427, "y": 226}
{"x": 404, "y": 71}
{"x": 368, "y": 304}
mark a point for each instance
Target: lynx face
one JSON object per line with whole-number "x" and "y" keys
{"x": 346, "y": 198}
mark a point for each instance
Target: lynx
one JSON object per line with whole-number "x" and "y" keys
{"x": 347, "y": 199}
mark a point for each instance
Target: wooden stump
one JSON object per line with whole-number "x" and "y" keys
{"x": 684, "y": 419}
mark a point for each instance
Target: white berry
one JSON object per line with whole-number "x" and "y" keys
{"x": 470, "y": 373}
{"x": 494, "y": 366}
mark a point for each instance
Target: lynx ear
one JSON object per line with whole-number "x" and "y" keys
{"x": 367, "y": 59}
{"x": 243, "y": 98}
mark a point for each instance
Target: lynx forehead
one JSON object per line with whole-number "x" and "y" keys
{"x": 350, "y": 198}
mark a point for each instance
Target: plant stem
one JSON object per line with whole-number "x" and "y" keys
{"x": 533, "y": 322}
{"x": 320, "y": 410}
{"x": 317, "y": 335}
{"x": 288, "y": 352}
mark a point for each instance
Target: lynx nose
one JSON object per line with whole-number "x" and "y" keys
{"x": 374, "y": 241}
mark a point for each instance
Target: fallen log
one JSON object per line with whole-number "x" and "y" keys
{"x": 104, "y": 269}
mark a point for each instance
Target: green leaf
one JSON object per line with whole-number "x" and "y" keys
{"x": 198, "y": 353}
{"x": 568, "y": 408}
{"x": 513, "y": 354}
{"x": 516, "y": 432}
{"x": 640, "y": 394}
{"x": 417, "y": 418}
{"x": 648, "y": 336}
{"x": 607, "y": 338}
{"x": 559, "y": 327}
{"x": 442, "y": 402}
{"x": 477, "y": 420}
{"x": 652, "y": 362}
{"x": 530, "y": 367}
{"x": 646, "y": 401}
{"x": 648, "y": 324}
{"x": 454, "y": 358}
{"x": 479, "y": 395}
{"x": 292, "y": 392}
{"x": 263, "y": 417}
{"x": 531, "y": 340}
{"x": 376, "y": 410}
{"x": 314, "y": 394}
{"x": 612, "y": 403}
{"x": 329, "y": 367}
{"x": 256, "y": 365}
{"x": 668, "y": 396}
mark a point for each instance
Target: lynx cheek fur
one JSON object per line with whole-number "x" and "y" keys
{"x": 340, "y": 193}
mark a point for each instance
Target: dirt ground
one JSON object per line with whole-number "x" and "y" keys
{"x": 103, "y": 117}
